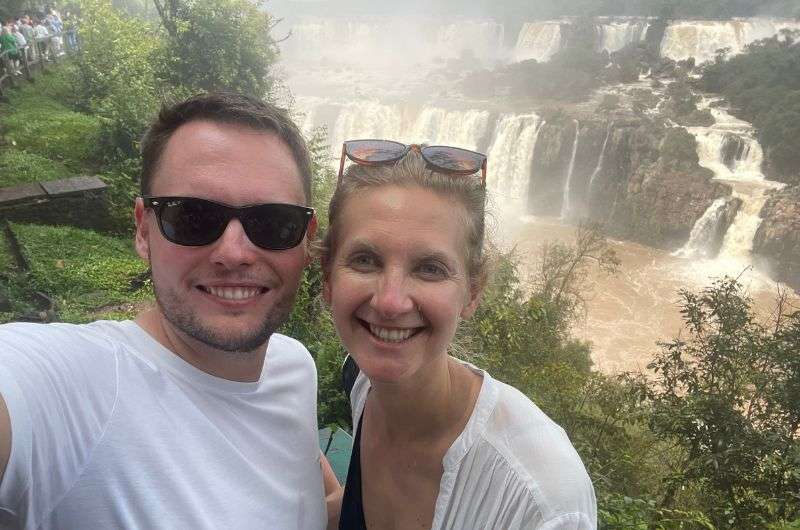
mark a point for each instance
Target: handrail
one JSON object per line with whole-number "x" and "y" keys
{"x": 38, "y": 52}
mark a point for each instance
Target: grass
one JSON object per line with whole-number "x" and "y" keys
{"x": 35, "y": 123}
{"x": 88, "y": 275}
{"x": 22, "y": 167}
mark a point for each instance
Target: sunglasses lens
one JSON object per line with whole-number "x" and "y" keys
{"x": 276, "y": 226}
{"x": 453, "y": 159}
{"x": 192, "y": 222}
{"x": 374, "y": 151}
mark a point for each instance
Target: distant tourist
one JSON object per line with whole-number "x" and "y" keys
{"x": 9, "y": 44}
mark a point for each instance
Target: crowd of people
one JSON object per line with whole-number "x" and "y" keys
{"x": 19, "y": 36}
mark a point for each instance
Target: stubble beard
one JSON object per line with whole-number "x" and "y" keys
{"x": 186, "y": 320}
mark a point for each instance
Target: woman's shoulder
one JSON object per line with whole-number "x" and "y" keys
{"x": 538, "y": 453}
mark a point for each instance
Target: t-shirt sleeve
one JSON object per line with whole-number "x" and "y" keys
{"x": 59, "y": 383}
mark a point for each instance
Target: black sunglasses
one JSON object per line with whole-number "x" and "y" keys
{"x": 440, "y": 158}
{"x": 195, "y": 222}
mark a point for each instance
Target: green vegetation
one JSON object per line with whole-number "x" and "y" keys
{"x": 763, "y": 86}
{"x": 84, "y": 273}
{"x": 21, "y": 167}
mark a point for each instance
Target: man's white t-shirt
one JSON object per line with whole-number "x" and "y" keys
{"x": 112, "y": 430}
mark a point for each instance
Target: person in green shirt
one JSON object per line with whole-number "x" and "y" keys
{"x": 9, "y": 43}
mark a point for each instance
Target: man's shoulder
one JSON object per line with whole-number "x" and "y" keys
{"x": 290, "y": 351}
{"x": 31, "y": 337}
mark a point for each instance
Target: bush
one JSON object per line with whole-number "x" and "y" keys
{"x": 115, "y": 76}
{"x": 214, "y": 45}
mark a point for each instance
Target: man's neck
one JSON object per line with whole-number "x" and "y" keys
{"x": 234, "y": 366}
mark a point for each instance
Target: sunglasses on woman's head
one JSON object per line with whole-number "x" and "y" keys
{"x": 194, "y": 222}
{"x": 440, "y": 158}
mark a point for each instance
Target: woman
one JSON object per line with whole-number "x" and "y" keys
{"x": 439, "y": 444}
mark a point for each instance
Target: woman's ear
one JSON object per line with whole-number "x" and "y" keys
{"x": 474, "y": 300}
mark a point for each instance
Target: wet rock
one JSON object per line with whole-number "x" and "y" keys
{"x": 778, "y": 237}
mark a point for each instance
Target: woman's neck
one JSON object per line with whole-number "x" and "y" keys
{"x": 436, "y": 404}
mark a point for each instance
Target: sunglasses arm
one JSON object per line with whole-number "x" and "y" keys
{"x": 341, "y": 165}
{"x": 483, "y": 173}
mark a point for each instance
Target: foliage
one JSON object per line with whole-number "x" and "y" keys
{"x": 82, "y": 271}
{"x": 622, "y": 511}
{"x": 115, "y": 76}
{"x": 679, "y": 149}
{"x": 763, "y": 85}
{"x": 214, "y": 45}
{"x": 729, "y": 395}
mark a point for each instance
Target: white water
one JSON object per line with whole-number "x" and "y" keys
{"x": 538, "y": 40}
{"x": 511, "y": 156}
{"x": 615, "y": 35}
{"x": 745, "y": 178}
{"x": 601, "y": 158}
{"x": 703, "y": 231}
{"x": 702, "y": 38}
{"x": 565, "y": 202}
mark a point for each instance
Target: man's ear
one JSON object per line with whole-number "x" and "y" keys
{"x": 311, "y": 233}
{"x": 142, "y": 241}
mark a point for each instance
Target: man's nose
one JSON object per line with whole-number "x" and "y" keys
{"x": 392, "y": 296}
{"x": 233, "y": 248}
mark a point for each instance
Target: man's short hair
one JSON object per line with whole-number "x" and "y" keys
{"x": 223, "y": 107}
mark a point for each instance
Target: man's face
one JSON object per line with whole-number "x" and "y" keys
{"x": 229, "y": 295}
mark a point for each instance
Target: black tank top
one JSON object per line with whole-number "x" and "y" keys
{"x": 352, "y": 515}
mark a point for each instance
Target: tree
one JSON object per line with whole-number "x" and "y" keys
{"x": 729, "y": 396}
{"x": 216, "y": 45}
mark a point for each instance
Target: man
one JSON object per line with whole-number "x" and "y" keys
{"x": 195, "y": 415}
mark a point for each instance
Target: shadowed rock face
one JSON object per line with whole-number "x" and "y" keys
{"x": 733, "y": 147}
{"x": 778, "y": 237}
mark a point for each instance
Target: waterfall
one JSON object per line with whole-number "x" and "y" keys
{"x": 538, "y": 40}
{"x": 600, "y": 158}
{"x": 450, "y": 127}
{"x": 701, "y": 38}
{"x": 704, "y": 232}
{"x": 510, "y": 158}
{"x": 744, "y": 176}
{"x": 616, "y": 35}
{"x": 565, "y": 204}
{"x": 365, "y": 119}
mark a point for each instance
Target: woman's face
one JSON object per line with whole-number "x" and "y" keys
{"x": 397, "y": 280}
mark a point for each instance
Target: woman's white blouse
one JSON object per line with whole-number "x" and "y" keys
{"x": 511, "y": 468}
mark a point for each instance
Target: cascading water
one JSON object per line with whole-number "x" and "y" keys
{"x": 615, "y": 35}
{"x": 701, "y": 39}
{"x": 511, "y": 155}
{"x": 565, "y": 202}
{"x": 705, "y": 231}
{"x": 457, "y": 128}
{"x": 538, "y": 40}
{"x": 602, "y": 156}
{"x": 744, "y": 176}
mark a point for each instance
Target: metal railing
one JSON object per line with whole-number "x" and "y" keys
{"x": 37, "y": 55}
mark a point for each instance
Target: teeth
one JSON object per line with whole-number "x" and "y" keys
{"x": 233, "y": 293}
{"x": 391, "y": 335}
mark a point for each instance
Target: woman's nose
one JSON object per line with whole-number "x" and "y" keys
{"x": 392, "y": 296}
